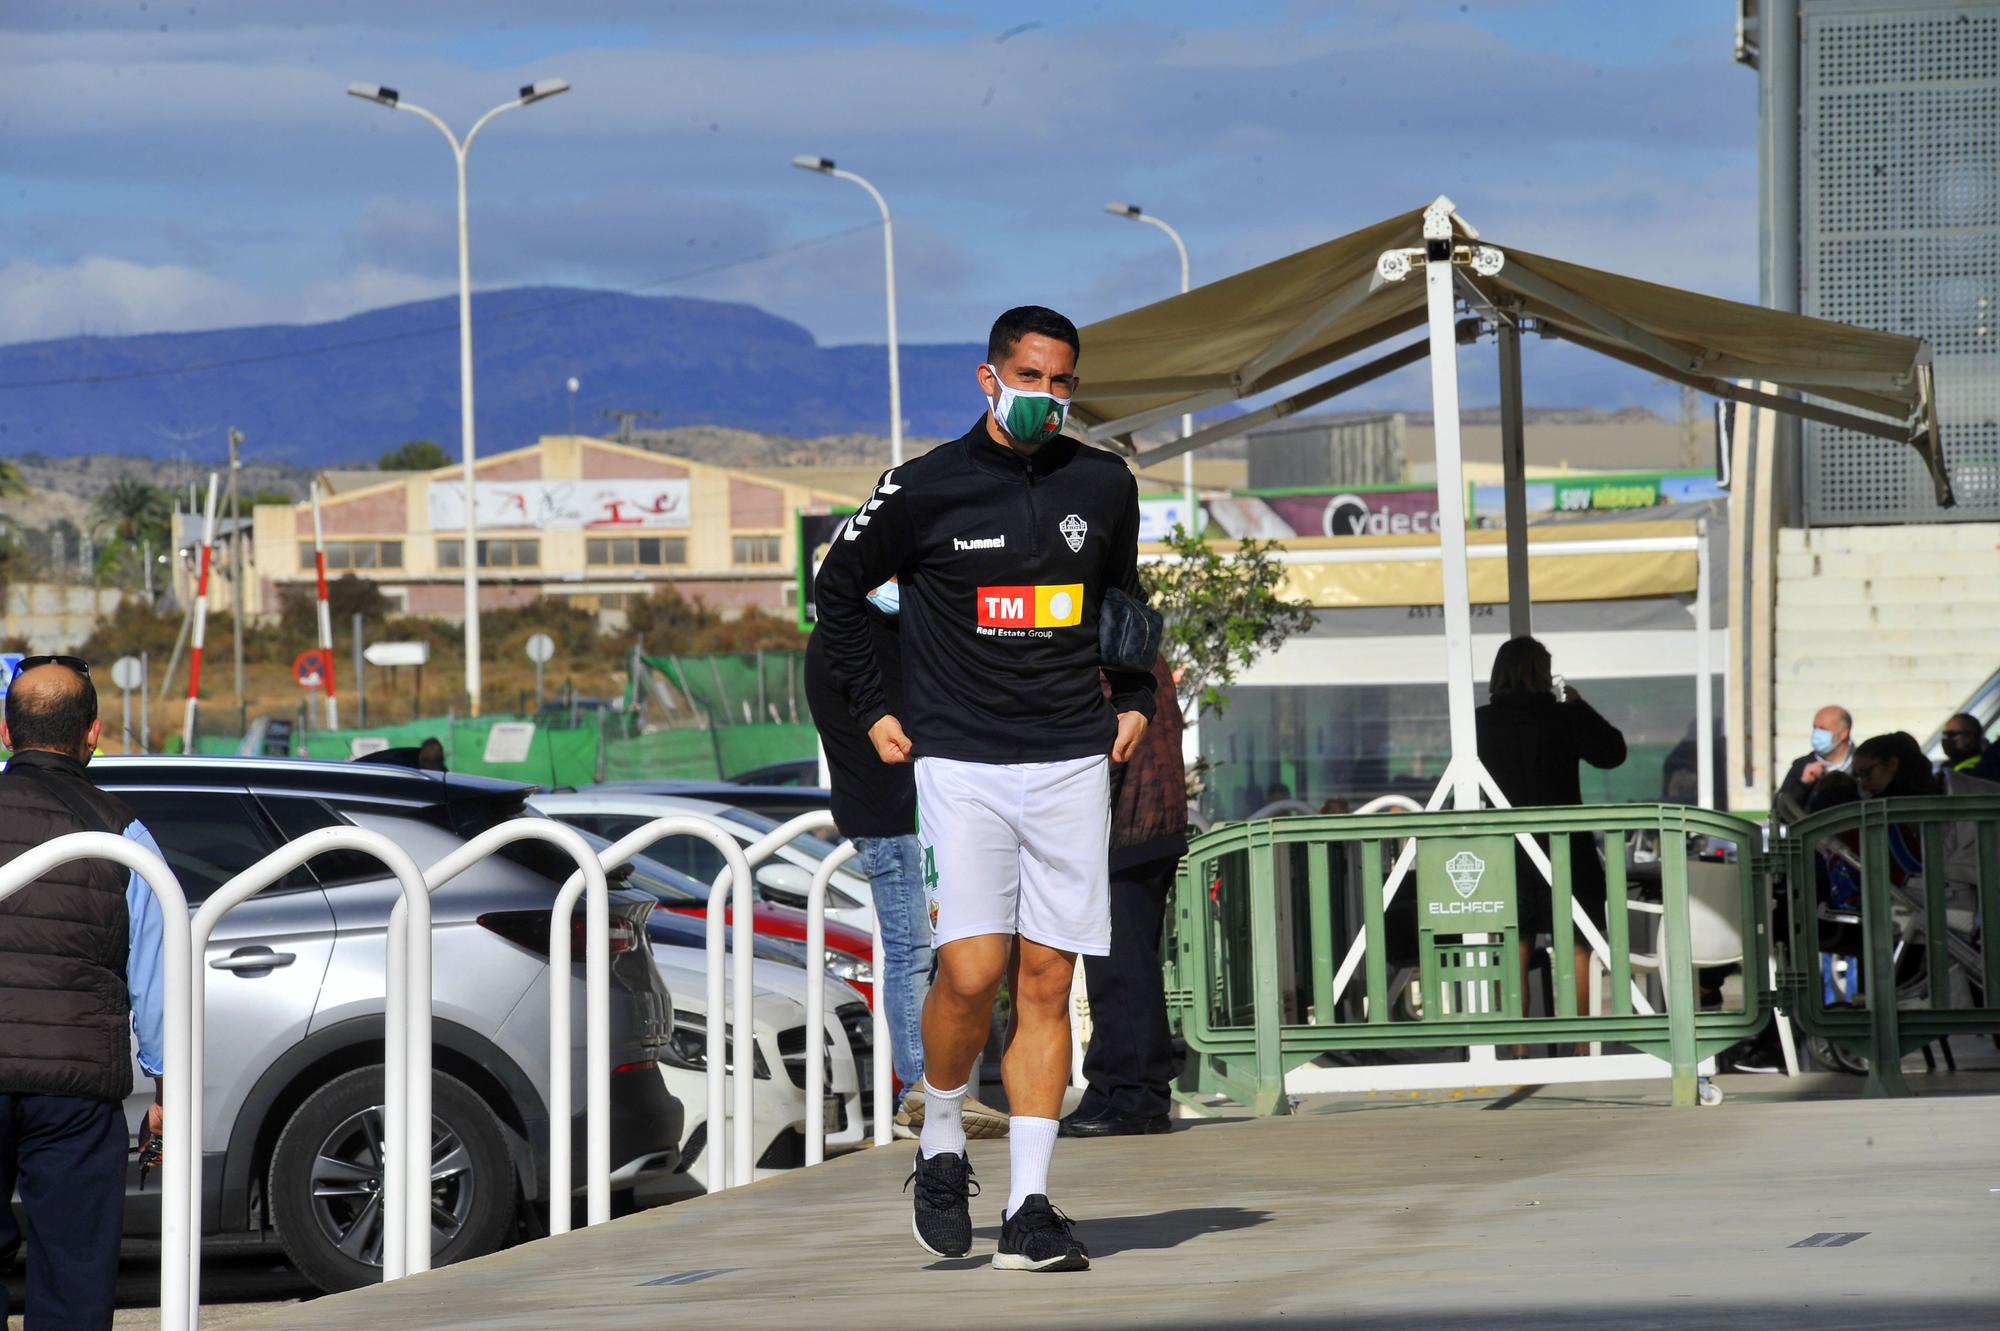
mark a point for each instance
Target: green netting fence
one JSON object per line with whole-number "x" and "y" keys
{"x": 744, "y": 689}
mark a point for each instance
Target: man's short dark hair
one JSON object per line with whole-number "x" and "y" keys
{"x": 1022, "y": 320}
{"x": 57, "y": 719}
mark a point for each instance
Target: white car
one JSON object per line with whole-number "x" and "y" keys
{"x": 784, "y": 879}
{"x": 779, "y": 1098}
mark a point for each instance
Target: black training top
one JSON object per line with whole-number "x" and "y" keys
{"x": 870, "y": 797}
{"x": 1003, "y": 559}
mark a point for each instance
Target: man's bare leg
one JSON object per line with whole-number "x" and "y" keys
{"x": 958, "y": 1015}
{"x": 1036, "y": 1065}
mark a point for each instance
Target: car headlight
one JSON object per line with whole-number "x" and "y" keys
{"x": 847, "y": 966}
{"x": 687, "y": 1049}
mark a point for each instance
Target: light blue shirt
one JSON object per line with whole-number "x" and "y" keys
{"x": 144, "y": 971}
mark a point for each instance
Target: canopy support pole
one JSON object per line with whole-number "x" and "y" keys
{"x": 1514, "y": 479}
{"x": 1440, "y": 292}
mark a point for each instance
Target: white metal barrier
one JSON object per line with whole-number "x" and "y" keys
{"x": 406, "y": 1173}
{"x": 762, "y": 849}
{"x": 816, "y": 1010}
{"x": 589, "y": 883}
{"x": 743, "y": 1056}
{"x": 181, "y": 1159}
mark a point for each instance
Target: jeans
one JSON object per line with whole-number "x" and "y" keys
{"x": 904, "y": 912}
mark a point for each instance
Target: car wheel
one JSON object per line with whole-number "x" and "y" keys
{"x": 326, "y": 1180}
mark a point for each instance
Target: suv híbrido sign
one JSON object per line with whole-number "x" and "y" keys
{"x": 1465, "y": 885}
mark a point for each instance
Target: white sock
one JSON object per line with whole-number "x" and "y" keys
{"x": 944, "y": 1122}
{"x": 1030, "y": 1143}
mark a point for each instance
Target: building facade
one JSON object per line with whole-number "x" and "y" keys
{"x": 593, "y": 521}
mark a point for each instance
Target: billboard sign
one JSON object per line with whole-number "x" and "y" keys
{"x": 590, "y": 505}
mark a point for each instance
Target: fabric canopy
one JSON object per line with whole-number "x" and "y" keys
{"x": 1262, "y": 329}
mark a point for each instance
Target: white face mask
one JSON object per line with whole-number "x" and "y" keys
{"x": 1029, "y": 418}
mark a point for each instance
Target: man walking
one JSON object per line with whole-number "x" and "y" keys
{"x": 1006, "y": 544}
{"x": 80, "y": 971}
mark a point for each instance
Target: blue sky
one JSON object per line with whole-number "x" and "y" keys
{"x": 173, "y": 164}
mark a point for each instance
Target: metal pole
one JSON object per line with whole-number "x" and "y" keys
{"x": 1136, "y": 214}
{"x": 471, "y": 553}
{"x": 1514, "y": 480}
{"x": 200, "y": 629}
{"x": 236, "y": 579}
{"x": 1778, "y": 96}
{"x": 538, "y": 687}
{"x": 325, "y": 613}
{"x": 360, "y": 681}
{"x": 1704, "y": 673}
{"x": 127, "y": 695}
{"x": 145, "y": 702}
{"x": 1439, "y": 288}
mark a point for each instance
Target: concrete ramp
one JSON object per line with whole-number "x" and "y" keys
{"x": 1880, "y": 1214}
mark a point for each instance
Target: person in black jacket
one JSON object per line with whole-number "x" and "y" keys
{"x": 1530, "y": 740}
{"x": 1129, "y": 1066}
{"x": 1004, "y": 544}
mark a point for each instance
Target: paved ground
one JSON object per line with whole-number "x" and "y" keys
{"x": 237, "y": 1282}
{"x": 1578, "y": 1208}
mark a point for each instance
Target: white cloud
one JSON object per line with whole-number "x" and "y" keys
{"x": 102, "y": 295}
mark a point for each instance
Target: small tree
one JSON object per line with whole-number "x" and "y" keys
{"x": 416, "y": 455}
{"x": 1222, "y": 613}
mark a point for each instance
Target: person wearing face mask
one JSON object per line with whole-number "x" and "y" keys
{"x": 1832, "y": 751}
{"x": 1016, "y": 548}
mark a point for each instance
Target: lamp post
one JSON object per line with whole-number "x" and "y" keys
{"x": 539, "y": 91}
{"x": 1132, "y": 212}
{"x": 824, "y": 166}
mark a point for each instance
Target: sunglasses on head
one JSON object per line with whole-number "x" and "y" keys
{"x": 76, "y": 663}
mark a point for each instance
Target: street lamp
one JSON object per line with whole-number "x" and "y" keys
{"x": 824, "y": 166}
{"x": 1133, "y": 212}
{"x": 539, "y": 91}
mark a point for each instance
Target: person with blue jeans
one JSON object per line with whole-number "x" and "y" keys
{"x": 875, "y": 806}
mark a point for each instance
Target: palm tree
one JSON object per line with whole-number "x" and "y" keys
{"x": 133, "y": 510}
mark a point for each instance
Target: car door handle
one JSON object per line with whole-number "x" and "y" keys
{"x": 252, "y": 959}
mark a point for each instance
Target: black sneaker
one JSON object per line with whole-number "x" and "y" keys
{"x": 942, "y": 1215}
{"x": 1037, "y": 1237}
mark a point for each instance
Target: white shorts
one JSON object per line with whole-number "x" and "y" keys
{"x": 1018, "y": 848}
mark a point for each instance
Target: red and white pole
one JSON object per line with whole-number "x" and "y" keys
{"x": 200, "y": 621}
{"x": 325, "y": 615}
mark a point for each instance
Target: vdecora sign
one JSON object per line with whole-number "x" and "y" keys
{"x": 1465, "y": 885}
{"x": 592, "y": 505}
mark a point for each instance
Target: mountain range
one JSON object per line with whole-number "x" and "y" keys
{"x": 346, "y": 391}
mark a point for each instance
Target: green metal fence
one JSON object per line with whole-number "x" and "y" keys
{"x": 1268, "y": 915}
{"x": 1904, "y": 887}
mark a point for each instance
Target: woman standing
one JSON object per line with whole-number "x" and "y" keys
{"x": 1532, "y": 734}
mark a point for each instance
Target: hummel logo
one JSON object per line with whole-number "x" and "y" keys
{"x": 979, "y": 543}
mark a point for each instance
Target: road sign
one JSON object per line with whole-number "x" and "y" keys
{"x": 126, "y": 672}
{"x": 396, "y": 653}
{"x": 540, "y": 648}
{"x": 509, "y": 741}
{"x": 310, "y": 668}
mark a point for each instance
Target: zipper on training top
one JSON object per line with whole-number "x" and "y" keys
{"x": 1034, "y": 527}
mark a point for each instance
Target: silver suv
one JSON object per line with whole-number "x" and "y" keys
{"x": 292, "y": 1130}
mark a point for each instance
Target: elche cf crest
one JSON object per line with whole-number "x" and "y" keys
{"x": 1074, "y": 529}
{"x": 1465, "y": 870}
